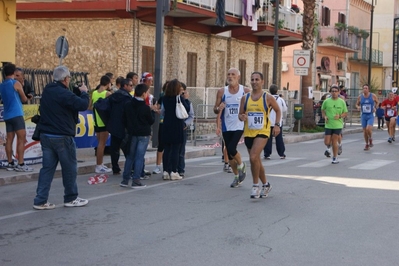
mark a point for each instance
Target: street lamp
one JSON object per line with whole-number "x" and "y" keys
{"x": 371, "y": 41}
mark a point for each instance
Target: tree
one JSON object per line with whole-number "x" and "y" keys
{"x": 308, "y": 36}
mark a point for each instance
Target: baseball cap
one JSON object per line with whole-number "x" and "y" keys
{"x": 145, "y": 76}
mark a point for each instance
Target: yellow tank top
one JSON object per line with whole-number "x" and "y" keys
{"x": 258, "y": 122}
{"x": 95, "y": 96}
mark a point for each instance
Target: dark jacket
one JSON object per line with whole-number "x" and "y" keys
{"x": 172, "y": 129}
{"x": 117, "y": 100}
{"x": 138, "y": 118}
{"x": 59, "y": 109}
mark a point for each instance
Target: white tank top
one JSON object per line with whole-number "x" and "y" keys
{"x": 230, "y": 121}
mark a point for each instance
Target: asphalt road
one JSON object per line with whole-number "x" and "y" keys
{"x": 316, "y": 214}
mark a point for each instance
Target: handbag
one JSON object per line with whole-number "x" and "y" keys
{"x": 36, "y": 119}
{"x": 181, "y": 111}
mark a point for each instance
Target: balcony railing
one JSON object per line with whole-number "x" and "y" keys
{"x": 364, "y": 55}
{"x": 340, "y": 38}
{"x": 288, "y": 19}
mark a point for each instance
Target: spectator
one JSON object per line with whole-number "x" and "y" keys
{"x": 187, "y": 123}
{"x": 137, "y": 118}
{"x": 28, "y": 90}
{"x": 115, "y": 125}
{"x": 59, "y": 109}
{"x": 160, "y": 148}
{"x": 172, "y": 136}
{"x": 13, "y": 96}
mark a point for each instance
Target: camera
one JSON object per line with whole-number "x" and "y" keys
{"x": 75, "y": 88}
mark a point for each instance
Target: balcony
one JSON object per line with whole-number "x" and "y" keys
{"x": 364, "y": 55}
{"x": 339, "y": 40}
{"x": 200, "y": 16}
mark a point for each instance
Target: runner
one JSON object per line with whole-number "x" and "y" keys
{"x": 389, "y": 105}
{"x": 228, "y": 102}
{"x": 366, "y": 103}
{"x": 333, "y": 110}
{"x": 254, "y": 111}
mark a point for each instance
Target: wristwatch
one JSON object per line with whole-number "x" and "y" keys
{"x": 277, "y": 124}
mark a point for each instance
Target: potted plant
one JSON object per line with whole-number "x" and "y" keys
{"x": 364, "y": 34}
{"x": 331, "y": 39}
{"x": 340, "y": 26}
{"x": 353, "y": 30}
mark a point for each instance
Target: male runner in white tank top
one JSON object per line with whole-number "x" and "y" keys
{"x": 228, "y": 102}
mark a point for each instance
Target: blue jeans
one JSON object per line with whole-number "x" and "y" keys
{"x": 182, "y": 152}
{"x": 57, "y": 149}
{"x": 138, "y": 148}
{"x": 267, "y": 151}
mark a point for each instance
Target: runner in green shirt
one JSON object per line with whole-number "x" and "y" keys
{"x": 333, "y": 110}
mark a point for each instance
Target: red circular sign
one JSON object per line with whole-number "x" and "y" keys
{"x": 301, "y": 61}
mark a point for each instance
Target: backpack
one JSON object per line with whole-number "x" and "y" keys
{"x": 103, "y": 108}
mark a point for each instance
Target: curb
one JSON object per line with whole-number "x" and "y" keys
{"x": 87, "y": 167}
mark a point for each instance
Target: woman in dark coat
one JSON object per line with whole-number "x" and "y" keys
{"x": 172, "y": 135}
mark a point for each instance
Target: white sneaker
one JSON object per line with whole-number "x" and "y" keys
{"x": 45, "y": 206}
{"x": 78, "y": 202}
{"x": 175, "y": 176}
{"x": 156, "y": 170}
{"x": 102, "y": 169}
{"x": 165, "y": 176}
{"x": 255, "y": 192}
{"x": 23, "y": 168}
{"x": 264, "y": 192}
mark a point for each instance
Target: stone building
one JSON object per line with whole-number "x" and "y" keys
{"x": 119, "y": 36}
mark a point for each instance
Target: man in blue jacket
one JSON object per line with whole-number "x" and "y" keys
{"x": 59, "y": 109}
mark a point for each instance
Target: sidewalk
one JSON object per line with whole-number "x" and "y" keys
{"x": 206, "y": 146}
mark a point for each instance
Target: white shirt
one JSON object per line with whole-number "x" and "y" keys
{"x": 283, "y": 108}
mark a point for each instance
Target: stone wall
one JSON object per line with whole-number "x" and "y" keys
{"x": 98, "y": 46}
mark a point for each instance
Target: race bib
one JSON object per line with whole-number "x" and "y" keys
{"x": 255, "y": 120}
{"x": 366, "y": 108}
{"x": 390, "y": 112}
{"x": 232, "y": 109}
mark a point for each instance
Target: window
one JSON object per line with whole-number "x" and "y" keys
{"x": 148, "y": 59}
{"x": 325, "y": 16}
{"x": 191, "y": 70}
{"x": 265, "y": 72}
{"x": 341, "y": 18}
{"x": 242, "y": 66}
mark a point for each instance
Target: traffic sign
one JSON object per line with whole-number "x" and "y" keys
{"x": 301, "y": 58}
{"x": 301, "y": 71}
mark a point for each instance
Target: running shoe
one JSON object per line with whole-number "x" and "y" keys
{"x": 235, "y": 182}
{"x": 124, "y": 183}
{"x": 23, "y": 168}
{"x": 45, "y": 206}
{"x": 102, "y": 169}
{"x": 156, "y": 170}
{"x": 255, "y": 192}
{"x": 165, "y": 176}
{"x": 335, "y": 160}
{"x": 264, "y": 192}
{"x": 11, "y": 167}
{"x": 137, "y": 184}
{"x": 390, "y": 140}
{"x": 393, "y": 138}
{"x": 175, "y": 176}
{"x": 340, "y": 149}
{"x": 242, "y": 173}
{"x": 78, "y": 202}
{"x": 371, "y": 143}
{"x": 327, "y": 153}
{"x": 367, "y": 147}
{"x": 226, "y": 167}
